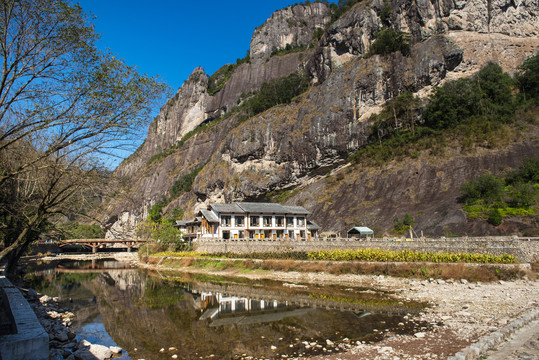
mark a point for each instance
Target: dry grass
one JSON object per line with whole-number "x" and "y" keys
{"x": 470, "y": 272}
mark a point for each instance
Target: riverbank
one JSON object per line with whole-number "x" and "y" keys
{"x": 460, "y": 312}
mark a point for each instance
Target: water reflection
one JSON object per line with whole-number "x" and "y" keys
{"x": 144, "y": 312}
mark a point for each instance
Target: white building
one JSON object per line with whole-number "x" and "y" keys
{"x": 250, "y": 220}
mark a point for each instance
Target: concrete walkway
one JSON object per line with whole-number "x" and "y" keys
{"x": 523, "y": 345}
{"x": 31, "y": 341}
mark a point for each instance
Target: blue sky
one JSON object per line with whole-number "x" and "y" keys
{"x": 171, "y": 38}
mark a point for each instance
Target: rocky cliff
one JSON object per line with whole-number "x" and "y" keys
{"x": 303, "y": 145}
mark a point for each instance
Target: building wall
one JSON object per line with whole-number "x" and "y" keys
{"x": 260, "y": 231}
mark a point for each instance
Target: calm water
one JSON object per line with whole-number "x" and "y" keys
{"x": 204, "y": 318}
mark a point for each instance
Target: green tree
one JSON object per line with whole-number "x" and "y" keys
{"x": 528, "y": 80}
{"x": 155, "y": 213}
{"x": 486, "y": 95}
{"x": 63, "y": 104}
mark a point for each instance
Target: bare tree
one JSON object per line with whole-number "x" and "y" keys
{"x": 63, "y": 105}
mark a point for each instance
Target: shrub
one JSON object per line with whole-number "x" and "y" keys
{"x": 488, "y": 188}
{"x": 388, "y": 41}
{"x": 218, "y": 79}
{"x": 495, "y": 217}
{"x": 276, "y": 92}
{"x": 527, "y": 172}
{"x": 184, "y": 183}
{"x": 74, "y": 230}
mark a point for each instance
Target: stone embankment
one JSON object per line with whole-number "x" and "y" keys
{"x": 524, "y": 249}
{"x": 62, "y": 339}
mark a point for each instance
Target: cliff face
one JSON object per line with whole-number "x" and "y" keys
{"x": 297, "y": 145}
{"x": 292, "y": 26}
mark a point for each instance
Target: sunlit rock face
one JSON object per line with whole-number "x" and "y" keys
{"x": 293, "y": 26}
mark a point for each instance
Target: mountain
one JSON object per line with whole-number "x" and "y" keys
{"x": 220, "y": 138}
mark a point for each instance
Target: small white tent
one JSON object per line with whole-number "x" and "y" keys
{"x": 359, "y": 231}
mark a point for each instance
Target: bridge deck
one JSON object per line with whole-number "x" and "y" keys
{"x": 95, "y": 243}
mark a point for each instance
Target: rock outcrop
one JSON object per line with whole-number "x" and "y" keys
{"x": 293, "y": 26}
{"x": 295, "y": 145}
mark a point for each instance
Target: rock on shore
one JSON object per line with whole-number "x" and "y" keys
{"x": 62, "y": 339}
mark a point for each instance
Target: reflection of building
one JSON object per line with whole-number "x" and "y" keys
{"x": 222, "y": 310}
{"x": 250, "y": 220}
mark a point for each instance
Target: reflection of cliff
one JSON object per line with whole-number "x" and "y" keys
{"x": 154, "y": 313}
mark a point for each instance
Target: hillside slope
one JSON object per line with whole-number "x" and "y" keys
{"x": 296, "y": 146}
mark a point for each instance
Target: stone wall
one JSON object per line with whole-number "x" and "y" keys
{"x": 524, "y": 249}
{"x": 30, "y": 340}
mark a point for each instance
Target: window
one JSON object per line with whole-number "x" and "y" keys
{"x": 301, "y": 221}
{"x": 240, "y": 221}
{"x": 290, "y": 221}
{"x": 254, "y": 220}
{"x": 279, "y": 221}
{"x": 302, "y": 234}
{"x": 267, "y": 221}
{"x": 225, "y": 220}
{"x": 241, "y": 234}
{"x": 226, "y": 235}
{"x": 280, "y": 234}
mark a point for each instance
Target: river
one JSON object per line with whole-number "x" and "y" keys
{"x": 201, "y": 317}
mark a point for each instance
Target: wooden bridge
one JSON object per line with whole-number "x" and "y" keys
{"x": 97, "y": 243}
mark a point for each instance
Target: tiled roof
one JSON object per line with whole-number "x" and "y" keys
{"x": 210, "y": 216}
{"x": 258, "y": 208}
{"x": 226, "y": 208}
{"x": 298, "y": 210}
{"x": 181, "y": 222}
{"x": 264, "y": 208}
{"x": 312, "y": 226}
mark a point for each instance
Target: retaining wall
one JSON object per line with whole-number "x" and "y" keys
{"x": 524, "y": 249}
{"x": 31, "y": 341}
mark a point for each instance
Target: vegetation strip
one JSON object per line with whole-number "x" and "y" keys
{"x": 371, "y": 255}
